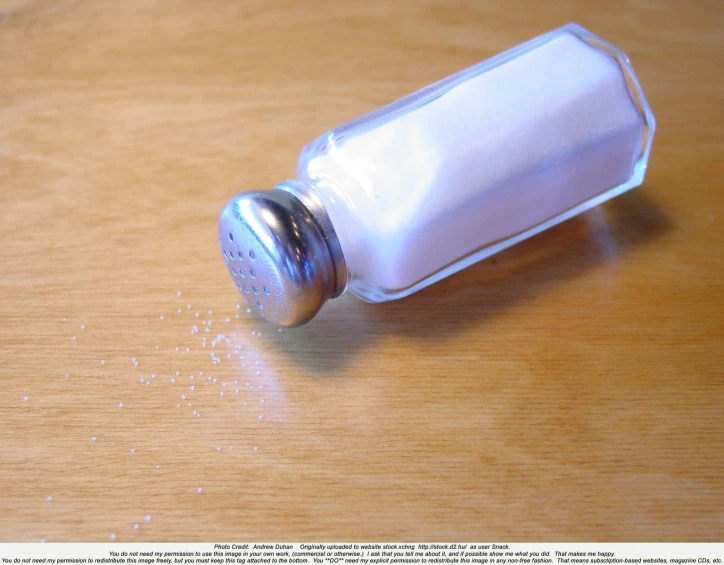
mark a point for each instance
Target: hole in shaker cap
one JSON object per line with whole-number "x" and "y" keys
{"x": 252, "y": 254}
{"x": 241, "y": 257}
{"x": 231, "y": 236}
{"x": 260, "y": 305}
{"x": 251, "y": 273}
{"x": 255, "y": 290}
{"x": 266, "y": 290}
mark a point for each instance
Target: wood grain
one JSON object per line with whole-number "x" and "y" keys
{"x": 570, "y": 388}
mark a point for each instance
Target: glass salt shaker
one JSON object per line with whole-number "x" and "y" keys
{"x": 404, "y": 196}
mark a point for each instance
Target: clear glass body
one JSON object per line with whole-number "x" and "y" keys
{"x": 479, "y": 161}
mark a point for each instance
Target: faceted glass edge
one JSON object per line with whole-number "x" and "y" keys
{"x": 634, "y": 89}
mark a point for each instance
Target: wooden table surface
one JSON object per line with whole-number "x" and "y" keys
{"x": 571, "y": 388}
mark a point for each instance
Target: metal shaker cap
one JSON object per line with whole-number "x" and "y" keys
{"x": 282, "y": 253}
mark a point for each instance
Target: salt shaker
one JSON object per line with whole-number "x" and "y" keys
{"x": 404, "y": 196}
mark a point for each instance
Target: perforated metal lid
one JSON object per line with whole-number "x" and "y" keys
{"x": 282, "y": 259}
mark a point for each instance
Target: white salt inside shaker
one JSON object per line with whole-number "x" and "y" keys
{"x": 419, "y": 189}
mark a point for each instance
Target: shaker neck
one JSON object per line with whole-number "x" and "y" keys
{"x": 305, "y": 193}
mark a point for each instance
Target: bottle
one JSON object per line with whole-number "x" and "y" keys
{"x": 406, "y": 195}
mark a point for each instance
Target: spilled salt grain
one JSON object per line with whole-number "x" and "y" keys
{"x": 178, "y": 293}
{"x": 132, "y": 450}
{"x": 120, "y": 404}
{"x": 93, "y": 438}
{"x": 25, "y": 398}
{"x": 147, "y": 518}
{"x": 160, "y": 317}
{"x": 136, "y": 526}
{"x": 112, "y": 537}
{"x": 199, "y": 490}
{"x": 48, "y": 498}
